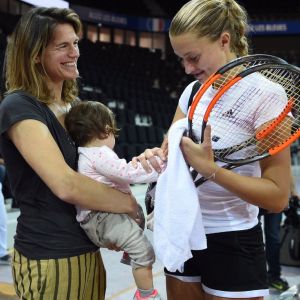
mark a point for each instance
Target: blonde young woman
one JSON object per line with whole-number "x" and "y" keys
{"x": 53, "y": 258}
{"x": 205, "y": 35}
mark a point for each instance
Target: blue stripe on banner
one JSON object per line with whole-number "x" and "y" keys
{"x": 162, "y": 25}
{"x": 275, "y": 28}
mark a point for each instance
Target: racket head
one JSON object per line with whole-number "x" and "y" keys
{"x": 256, "y": 114}
{"x": 222, "y": 76}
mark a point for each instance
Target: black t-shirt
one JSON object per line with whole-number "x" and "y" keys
{"x": 47, "y": 226}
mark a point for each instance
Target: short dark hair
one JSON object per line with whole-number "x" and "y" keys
{"x": 88, "y": 120}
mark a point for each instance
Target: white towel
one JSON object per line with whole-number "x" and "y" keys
{"x": 178, "y": 226}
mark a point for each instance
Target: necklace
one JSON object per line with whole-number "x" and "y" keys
{"x": 59, "y": 109}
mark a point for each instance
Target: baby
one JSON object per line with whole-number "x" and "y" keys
{"x": 92, "y": 127}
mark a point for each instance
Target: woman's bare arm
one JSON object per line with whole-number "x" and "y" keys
{"x": 37, "y": 146}
{"x": 271, "y": 191}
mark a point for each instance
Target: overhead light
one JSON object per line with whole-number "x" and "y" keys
{"x": 48, "y": 3}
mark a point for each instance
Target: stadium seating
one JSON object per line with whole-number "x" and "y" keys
{"x": 141, "y": 85}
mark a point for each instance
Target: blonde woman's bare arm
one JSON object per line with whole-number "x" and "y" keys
{"x": 270, "y": 191}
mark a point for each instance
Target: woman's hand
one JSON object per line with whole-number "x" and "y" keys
{"x": 164, "y": 146}
{"x": 113, "y": 247}
{"x": 150, "y": 221}
{"x": 149, "y": 156}
{"x": 134, "y": 207}
{"x": 199, "y": 156}
{"x": 139, "y": 217}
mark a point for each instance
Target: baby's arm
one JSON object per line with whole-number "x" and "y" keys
{"x": 118, "y": 170}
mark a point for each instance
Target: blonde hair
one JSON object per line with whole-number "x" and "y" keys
{"x": 211, "y": 18}
{"x": 29, "y": 40}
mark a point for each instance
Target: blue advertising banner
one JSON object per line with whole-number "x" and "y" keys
{"x": 121, "y": 21}
{"x": 106, "y": 18}
{"x": 102, "y": 17}
{"x": 275, "y": 28}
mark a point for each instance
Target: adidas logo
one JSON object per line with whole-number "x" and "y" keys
{"x": 215, "y": 138}
{"x": 228, "y": 113}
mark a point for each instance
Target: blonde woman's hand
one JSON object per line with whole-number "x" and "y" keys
{"x": 147, "y": 159}
{"x": 199, "y": 156}
{"x": 164, "y": 146}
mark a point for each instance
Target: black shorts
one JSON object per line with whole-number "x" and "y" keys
{"x": 232, "y": 266}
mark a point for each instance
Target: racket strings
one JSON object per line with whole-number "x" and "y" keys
{"x": 225, "y": 77}
{"x": 228, "y": 75}
{"x": 288, "y": 81}
{"x": 250, "y": 106}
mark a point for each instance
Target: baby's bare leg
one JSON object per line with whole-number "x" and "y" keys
{"x": 143, "y": 277}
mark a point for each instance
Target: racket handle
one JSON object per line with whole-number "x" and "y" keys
{"x": 194, "y": 174}
{"x": 227, "y": 167}
{"x": 200, "y": 181}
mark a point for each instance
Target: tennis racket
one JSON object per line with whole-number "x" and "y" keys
{"x": 225, "y": 74}
{"x": 221, "y": 77}
{"x": 253, "y": 115}
{"x": 228, "y": 72}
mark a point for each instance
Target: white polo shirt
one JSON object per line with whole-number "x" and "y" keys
{"x": 221, "y": 210}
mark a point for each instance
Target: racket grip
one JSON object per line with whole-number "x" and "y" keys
{"x": 204, "y": 179}
{"x": 194, "y": 174}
